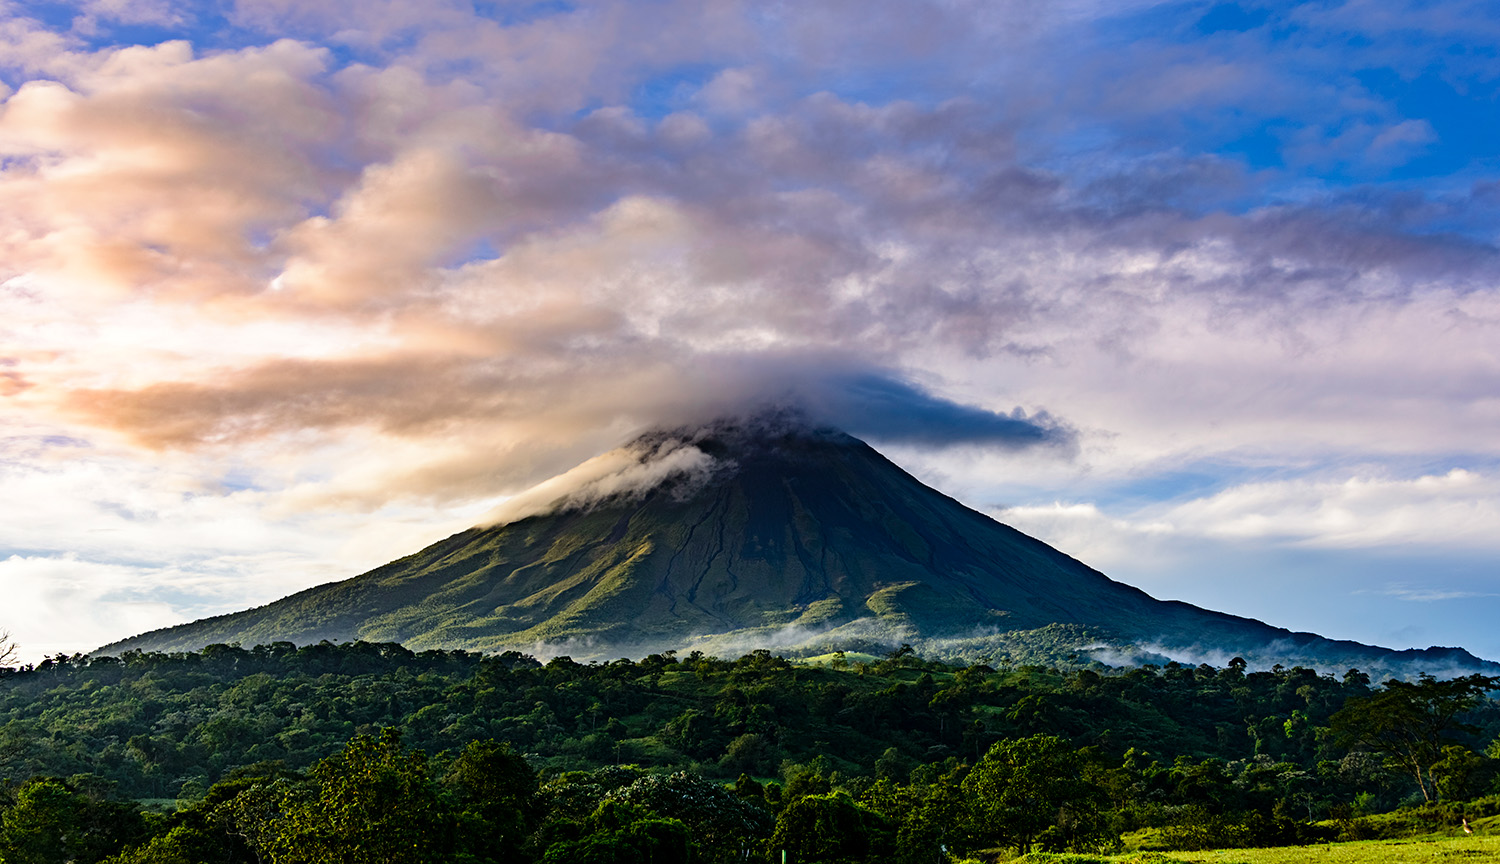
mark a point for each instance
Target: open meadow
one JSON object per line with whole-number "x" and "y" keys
{"x": 1404, "y": 851}
{"x": 1360, "y": 852}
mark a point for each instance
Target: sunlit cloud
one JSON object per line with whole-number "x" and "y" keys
{"x": 272, "y": 263}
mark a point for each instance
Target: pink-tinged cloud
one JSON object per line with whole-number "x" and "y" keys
{"x": 354, "y": 255}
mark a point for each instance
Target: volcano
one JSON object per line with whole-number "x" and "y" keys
{"x": 767, "y": 532}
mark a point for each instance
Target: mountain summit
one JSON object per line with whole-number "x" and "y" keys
{"x": 762, "y": 532}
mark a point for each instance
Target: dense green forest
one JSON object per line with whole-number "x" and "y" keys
{"x": 370, "y": 752}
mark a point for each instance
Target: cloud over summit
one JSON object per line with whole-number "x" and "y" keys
{"x": 354, "y": 218}
{"x": 380, "y": 255}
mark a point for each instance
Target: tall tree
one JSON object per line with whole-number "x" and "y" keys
{"x": 1032, "y": 789}
{"x": 497, "y": 798}
{"x": 1409, "y": 723}
{"x": 374, "y": 802}
{"x": 831, "y": 828}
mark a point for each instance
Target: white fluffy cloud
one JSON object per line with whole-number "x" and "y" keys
{"x": 1455, "y": 509}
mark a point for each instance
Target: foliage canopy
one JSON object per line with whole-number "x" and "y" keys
{"x": 363, "y": 752}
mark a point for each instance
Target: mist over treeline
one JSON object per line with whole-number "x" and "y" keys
{"x": 897, "y": 749}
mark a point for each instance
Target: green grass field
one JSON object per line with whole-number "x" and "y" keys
{"x": 1407, "y": 851}
{"x": 1373, "y": 851}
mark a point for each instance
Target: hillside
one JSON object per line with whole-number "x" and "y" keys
{"x": 755, "y": 534}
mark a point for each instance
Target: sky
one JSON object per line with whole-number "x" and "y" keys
{"x": 1205, "y": 294}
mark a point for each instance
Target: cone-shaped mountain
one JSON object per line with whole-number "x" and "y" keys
{"x": 765, "y": 528}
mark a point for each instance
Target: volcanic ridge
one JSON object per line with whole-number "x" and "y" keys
{"x": 768, "y": 532}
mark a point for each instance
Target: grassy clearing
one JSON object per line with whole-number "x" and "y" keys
{"x": 1427, "y": 850}
{"x": 1372, "y": 851}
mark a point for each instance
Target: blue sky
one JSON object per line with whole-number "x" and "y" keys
{"x": 1204, "y": 294}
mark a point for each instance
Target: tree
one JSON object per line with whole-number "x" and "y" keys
{"x": 695, "y": 733}
{"x": 168, "y": 848}
{"x": 831, "y": 828}
{"x": 1409, "y": 724}
{"x": 1031, "y": 790}
{"x": 928, "y": 816}
{"x": 497, "y": 791}
{"x": 9, "y": 650}
{"x": 54, "y": 821}
{"x": 232, "y": 819}
{"x": 1462, "y": 774}
{"x": 723, "y": 823}
{"x": 618, "y": 832}
{"x": 374, "y": 802}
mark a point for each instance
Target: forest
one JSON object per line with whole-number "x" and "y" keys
{"x": 366, "y": 752}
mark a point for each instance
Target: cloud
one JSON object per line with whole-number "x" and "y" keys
{"x": 1456, "y": 508}
{"x": 410, "y": 255}
{"x": 732, "y": 91}
{"x": 90, "y": 603}
{"x": 151, "y": 171}
{"x": 891, "y": 410}
{"x": 1459, "y": 506}
{"x": 1431, "y": 595}
{"x": 883, "y": 408}
{"x": 154, "y": 12}
{"x": 623, "y": 473}
{"x": 101, "y": 544}
{"x": 401, "y": 254}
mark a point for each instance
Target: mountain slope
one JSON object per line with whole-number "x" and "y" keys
{"x": 766, "y": 530}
